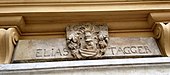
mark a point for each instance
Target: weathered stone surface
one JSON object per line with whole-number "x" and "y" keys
{"x": 57, "y": 49}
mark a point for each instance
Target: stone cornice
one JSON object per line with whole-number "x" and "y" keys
{"x": 53, "y": 6}
{"x": 81, "y": 2}
{"x": 12, "y": 22}
{"x": 34, "y": 17}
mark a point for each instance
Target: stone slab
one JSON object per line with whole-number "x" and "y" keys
{"x": 56, "y": 48}
{"x": 136, "y": 66}
{"x": 138, "y": 70}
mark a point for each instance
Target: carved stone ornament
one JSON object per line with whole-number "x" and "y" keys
{"x": 8, "y": 40}
{"x": 86, "y": 40}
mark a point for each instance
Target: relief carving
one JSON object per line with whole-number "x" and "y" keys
{"x": 161, "y": 32}
{"x": 158, "y": 31}
{"x": 86, "y": 40}
{"x": 8, "y": 40}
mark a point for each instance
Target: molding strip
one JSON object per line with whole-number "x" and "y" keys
{"x": 84, "y": 63}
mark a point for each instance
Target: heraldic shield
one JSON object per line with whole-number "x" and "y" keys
{"x": 87, "y": 40}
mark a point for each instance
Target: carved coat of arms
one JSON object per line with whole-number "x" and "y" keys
{"x": 87, "y": 40}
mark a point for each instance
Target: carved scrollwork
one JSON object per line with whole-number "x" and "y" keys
{"x": 7, "y": 42}
{"x": 87, "y": 39}
{"x": 12, "y": 38}
{"x": 158, "y": 31}
{"x": 162, "y": 34}
{"x": 15, "y": 38}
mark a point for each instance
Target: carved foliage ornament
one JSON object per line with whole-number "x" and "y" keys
{"x": 86, "y": 40}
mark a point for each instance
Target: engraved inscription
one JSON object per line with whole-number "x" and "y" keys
{"x": 116, "y": 50}
{"x": 51, "y": 52}
{"x": 58, "y": 48}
